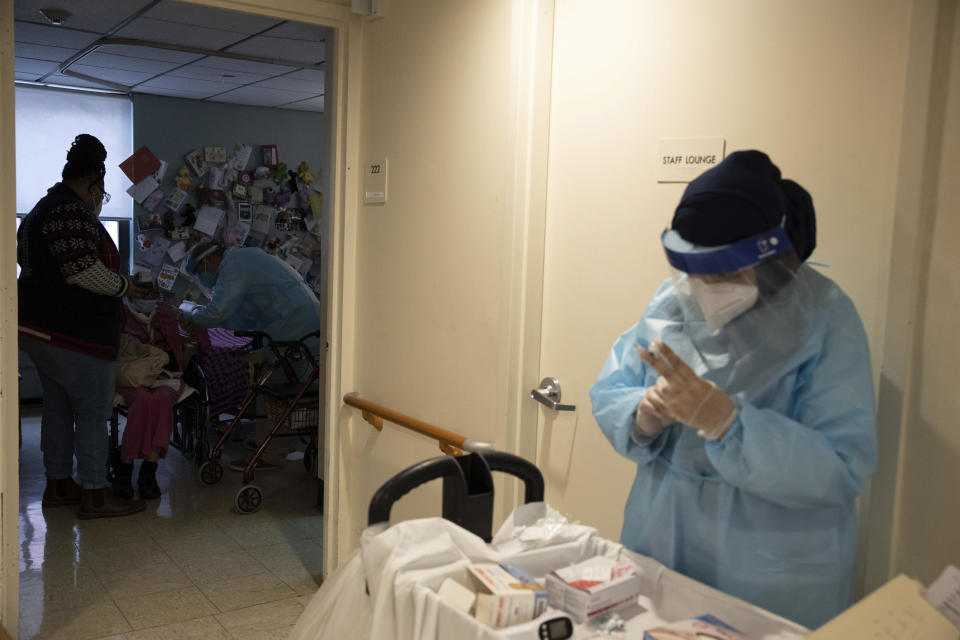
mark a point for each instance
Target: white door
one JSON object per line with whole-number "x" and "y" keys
{"x": 626, "y": 75}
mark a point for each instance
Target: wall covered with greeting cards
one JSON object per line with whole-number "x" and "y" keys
{"x": 233, "y": 174}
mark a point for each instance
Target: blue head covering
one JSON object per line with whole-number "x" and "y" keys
{"x": 742, "y": 196}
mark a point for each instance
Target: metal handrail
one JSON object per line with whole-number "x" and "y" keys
{"x": 450, "y": 442}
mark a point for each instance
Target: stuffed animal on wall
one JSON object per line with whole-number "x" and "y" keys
{"x": 183, "y": 179}
{"x": 282, "y": 197}
{"x": 188, "y": 215}
{"x": 279, "y": 173}
{"x": 305, "y": 173}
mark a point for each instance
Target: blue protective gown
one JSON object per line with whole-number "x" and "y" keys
{"x": 767, "y": 513}
{"x": 255, "y": 291}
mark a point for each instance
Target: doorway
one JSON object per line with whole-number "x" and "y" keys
{"x": 330, "y": 171}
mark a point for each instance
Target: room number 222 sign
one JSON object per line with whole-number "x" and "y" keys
{"x": 375, "y": 182}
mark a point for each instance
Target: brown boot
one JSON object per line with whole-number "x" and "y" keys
{"x": 101, "y": 503}
{"x": 61, "y": 492}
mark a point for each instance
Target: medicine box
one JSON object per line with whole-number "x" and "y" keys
{"x": 592, "y": 587}
{"x": 506, "y": 595}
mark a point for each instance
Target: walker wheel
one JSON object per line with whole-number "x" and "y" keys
{"x": 211, "y": 472}
{"x": 248, "y": 499}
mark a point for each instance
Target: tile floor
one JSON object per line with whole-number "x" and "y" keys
{"x": 187, "y": 567}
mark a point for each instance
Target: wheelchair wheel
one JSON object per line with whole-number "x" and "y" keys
{"x": 248, "y": 499}
{"x": 211, "y": 472}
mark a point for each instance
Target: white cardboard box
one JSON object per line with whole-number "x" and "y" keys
{"x": 592, "y": 587}
{"x": 503, "y": 599}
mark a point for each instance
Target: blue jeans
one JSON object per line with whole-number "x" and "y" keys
{"x": 77, "y": 391}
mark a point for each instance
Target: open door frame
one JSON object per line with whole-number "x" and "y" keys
{"x": 342, "y": 102}
{"x": 9, "y": 387}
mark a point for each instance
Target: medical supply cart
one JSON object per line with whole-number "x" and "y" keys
{"x": 388, "y": 588}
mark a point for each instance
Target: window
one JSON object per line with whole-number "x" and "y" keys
{"x": 47, "y": 120}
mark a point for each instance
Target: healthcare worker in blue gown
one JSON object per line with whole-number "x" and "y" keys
{"x": 744, "y": 394}
{"x": 252, "y": 291}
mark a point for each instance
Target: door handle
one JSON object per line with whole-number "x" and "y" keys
{"x": 549, "y": 394}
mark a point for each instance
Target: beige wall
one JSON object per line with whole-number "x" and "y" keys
{"x": 433, "y": 263}
{"x": 928, "y": 521}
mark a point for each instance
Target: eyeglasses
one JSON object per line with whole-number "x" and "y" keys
{"x": 97, "y": 186}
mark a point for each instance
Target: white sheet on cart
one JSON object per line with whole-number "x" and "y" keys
{"x": 404, "y": 565}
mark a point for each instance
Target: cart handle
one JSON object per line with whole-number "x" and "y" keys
{"x": 521, "y": 468}
{"x": 408, "y": 480}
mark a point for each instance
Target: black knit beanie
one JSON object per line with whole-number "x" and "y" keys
{"x": 742, "y": 196}
{"x": 85, "y": 158}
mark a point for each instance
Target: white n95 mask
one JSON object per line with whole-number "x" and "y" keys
{"x": 721, "y": 302}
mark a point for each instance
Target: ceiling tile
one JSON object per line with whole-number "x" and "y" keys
{"x": 226, "y": 76}
{"x": 163, "y": 55}
{"x": 285, "y": 48}
{"x": 311, "y": 104}
{"x": 223, "y": 19}
{"x": 91, "y": 15}
{"x": 126, "y": 63}
{"x": 185, "y": 84}
{"x": 52, "y": 36}
{"x": 248, "y": 66}
{"x": 260, "y": 97}
{"x": 181, "y": 34}
{"x": 42, "y": 52}
{"x": 174, "y": 93}
{"x": 289, "y": 83}
{"x": 26, "y": 68}
{"x": 310, "y": 75}
{"x": 40, "y": 47}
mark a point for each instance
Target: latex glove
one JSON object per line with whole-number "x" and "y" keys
{"x": 689, "y": 398}
{"x": 651, "y": 418}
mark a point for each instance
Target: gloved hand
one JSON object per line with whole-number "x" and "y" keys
{"x": 689, "y": 398}
{"x": 651, "y": 418}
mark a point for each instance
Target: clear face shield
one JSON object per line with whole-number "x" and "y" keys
{"x": 741, "y": 310}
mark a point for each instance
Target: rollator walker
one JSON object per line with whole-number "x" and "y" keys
{"x": 290, "y": 388}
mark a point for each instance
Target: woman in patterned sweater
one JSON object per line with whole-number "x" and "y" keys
{"x": 70, "y": 294}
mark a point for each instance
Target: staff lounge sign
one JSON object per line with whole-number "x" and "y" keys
{"x": 683, "y": 159}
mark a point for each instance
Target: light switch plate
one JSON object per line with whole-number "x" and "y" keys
{"x": 375, "y": 182}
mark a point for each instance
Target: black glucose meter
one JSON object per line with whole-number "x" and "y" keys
{"x": 556, "y": 629}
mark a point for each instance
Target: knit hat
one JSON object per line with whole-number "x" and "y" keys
{"x": 742, "y": 196}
